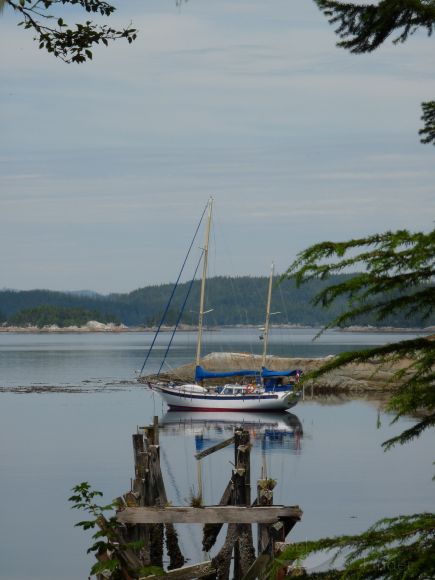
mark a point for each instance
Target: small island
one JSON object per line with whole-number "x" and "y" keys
{"x": 50, "y": 318}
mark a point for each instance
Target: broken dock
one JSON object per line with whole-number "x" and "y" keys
{"x": 146, "y": 519}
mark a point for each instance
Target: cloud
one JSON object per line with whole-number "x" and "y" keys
{"x": 107, "y": 165}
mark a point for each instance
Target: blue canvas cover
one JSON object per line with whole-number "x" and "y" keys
{"x": 201, "y": 374}
{"x": 267, "y": 374}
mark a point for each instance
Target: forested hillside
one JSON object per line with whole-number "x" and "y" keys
{"x": 234, "y": 301}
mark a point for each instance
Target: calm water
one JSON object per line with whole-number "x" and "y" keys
{"x": 99, "y": 360}
{"x": 326, "y": 456}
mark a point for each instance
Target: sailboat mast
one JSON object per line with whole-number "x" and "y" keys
{"x": 203, "y": 280}
{"x": 266, "y": 326}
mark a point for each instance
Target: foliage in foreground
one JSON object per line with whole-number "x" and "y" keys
{"x": 400, "y": 548}
{"x": 399, "y": 271}
{"x": 107, "y": 546}
{"x": 83, "y": 498}
{"x": 398, "y": 276}
{"x": 69, "y": 43}
{"x": 362, "y": 28}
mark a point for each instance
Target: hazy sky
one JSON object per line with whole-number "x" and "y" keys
{"x": 106, "y": 166}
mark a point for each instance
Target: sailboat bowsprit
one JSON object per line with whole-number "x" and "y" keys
{"x": 262, "y": 390}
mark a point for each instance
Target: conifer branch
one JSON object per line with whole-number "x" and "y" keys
{"x": 398, "y": 277}
{"x": 428, "y": 118}
{"x": 364, "y": 27}
{"x": 395, "y": 548}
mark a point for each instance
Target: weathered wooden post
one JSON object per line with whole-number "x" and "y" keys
{"x": 244, "y": 553}
{"x": 242, "y": 468}
{"x": 264, "y": 498}
{"x": 211, "y": 531}
{"x": 160, "y": 499}
{"x": 139, "y": 497}
{"x": 239, "y": 535}
{"x": 148, "y": 489}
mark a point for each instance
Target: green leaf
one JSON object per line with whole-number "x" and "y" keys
{"x": 110, "y": 565}
{"x": 86, "y": 524}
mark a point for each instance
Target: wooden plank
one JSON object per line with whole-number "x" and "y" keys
{"x": 186, "y": 573}
{"x": 207, "y": 515}
{"x": 214, "y": 448}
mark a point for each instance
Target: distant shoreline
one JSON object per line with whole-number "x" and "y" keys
{"x": 98, "y": 327}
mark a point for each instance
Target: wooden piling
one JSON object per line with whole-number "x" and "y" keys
{"x": 222, "y": 560}
{"x": 145, "y": 513}
{"x": 244, "y": 553}
{"x": 264, "y": 499}
{"x": 148, "y": 490}
{"x": 211, "y": 531}
{"x": 242, "y": 468}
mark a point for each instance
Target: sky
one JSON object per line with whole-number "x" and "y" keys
{"x": 105, "y": 167}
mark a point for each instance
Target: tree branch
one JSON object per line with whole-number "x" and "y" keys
{"x": 363, "y": 28}
{"x": 70, "y": 44}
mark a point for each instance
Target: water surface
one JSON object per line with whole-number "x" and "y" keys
{"x": 100, "y": 359}
{"x": 326, "y": 455}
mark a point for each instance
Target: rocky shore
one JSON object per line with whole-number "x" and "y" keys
{"x": 94, "y": 326}
{"x": 91, "y": 326}
{"x": 353, "y": 379}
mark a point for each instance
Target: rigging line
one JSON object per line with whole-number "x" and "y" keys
{"x": 181, "y": 313}
{"x": 173, "y": 371}
{"x": 173, "y": 292}
{"x": 171, "y": 476}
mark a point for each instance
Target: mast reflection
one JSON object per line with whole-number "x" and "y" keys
{"x": 268, "y": 431}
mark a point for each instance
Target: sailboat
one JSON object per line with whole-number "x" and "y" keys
{"x": 260, "y": 394}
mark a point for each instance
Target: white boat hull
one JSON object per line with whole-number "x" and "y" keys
{"x": 177, "y": 398}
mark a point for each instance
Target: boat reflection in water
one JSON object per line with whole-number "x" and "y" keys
{"x": 268, "y": 431}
